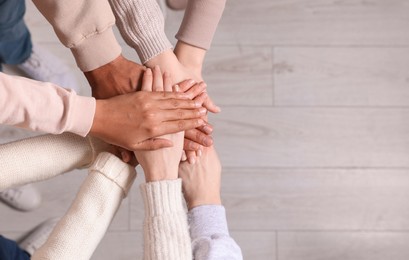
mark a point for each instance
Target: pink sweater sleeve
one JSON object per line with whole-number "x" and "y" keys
{"x": 200, "y": 22}
{"x": 44, "y": 107}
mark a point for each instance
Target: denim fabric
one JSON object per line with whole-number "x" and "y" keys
{"x": 15, "y": 39}
{"x": 9, "y": 250}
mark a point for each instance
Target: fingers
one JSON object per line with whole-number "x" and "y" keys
{"x": 196, "y": 90}
{"x": 177, "y": 114}
{"x": 167, "y": 82}
{"x": 178, "y": 103}
{"x": 157, "y": 79}
{"x": 207, "y": 129}
{"x": 189, "y": 145}
{"x": 191, "y": 157}
{"x": 198, "y": 137}
{"x": 147, "y": 80}
{"x": 186, "y": 85}
{"x": 154, "y": 144}
{"x": 172, "y": 127}
{"x": 211, "y": 106}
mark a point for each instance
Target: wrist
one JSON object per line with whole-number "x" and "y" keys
{"x": 153, "y": 175}
{"x": 212, "y": 199}
{"x": 190, "y": 56}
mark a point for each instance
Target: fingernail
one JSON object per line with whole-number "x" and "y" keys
{"x": 156, "y": 67}
{"x": 191, "y": 82}
{"x": 148, "y": 71}
{"x": 184, "y": 158}
{"x": 199, "y": 153}
{"x": 208, "y": 129}
{"x": 200, "y": 122}
{"x": 124, "y": 156}
{"x": 202, "y": 111}
{"x": 208, "y": 141}
{"x": 176, "y": 88}
{"x": 192, "y": 160}
{"x": 198, "y": 104}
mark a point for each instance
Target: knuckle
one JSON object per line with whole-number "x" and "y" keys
{"x": 181, "y": 124}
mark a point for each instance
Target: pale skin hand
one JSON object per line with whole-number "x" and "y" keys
{"x": 160, "y": 164}
{"x": 195, "y": 138}
{"x": 201, "y": 181}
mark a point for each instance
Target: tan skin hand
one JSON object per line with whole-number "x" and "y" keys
{"x": 160, "y": 164}
{"x": 115, "y": 78}
{"x": 132, "y": 120}
{"x": 201, "y": 181}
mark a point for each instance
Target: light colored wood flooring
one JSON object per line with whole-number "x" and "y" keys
{"x": 313, "y": 137}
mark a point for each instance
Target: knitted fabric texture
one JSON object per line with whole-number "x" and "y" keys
{"x": 142, "y": 26}
{"x": 166, "y": 235}
{"x": 79, "y": 232}
{"x": 48, "y": 156}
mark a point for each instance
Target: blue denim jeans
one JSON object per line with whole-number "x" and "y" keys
{"x": 9, "y": 250}
{"x": 15, "y": 39}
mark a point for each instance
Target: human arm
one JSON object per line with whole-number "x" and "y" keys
{"x": 165, "y": 224}
{"x": 206, "y": 216}
{"x": 79, "y": 232}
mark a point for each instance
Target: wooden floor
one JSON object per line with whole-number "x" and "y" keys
{"x": 313, "y": 137}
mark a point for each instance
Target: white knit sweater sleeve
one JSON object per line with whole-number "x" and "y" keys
{"x": 166, "y": 234}
{"x": 78, "y": 233}
{"x": 43, "y": 157}
{"x": 210, "y": 234}
{"x": 142, "y": 26}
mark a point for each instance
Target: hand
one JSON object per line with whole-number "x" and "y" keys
{"x": 194, "y": 138}
{"x": 201, "y": 181}
{"x": 161, "y": 164}
{"x": 132, "y": 121}
{"x": 115, "y": 78}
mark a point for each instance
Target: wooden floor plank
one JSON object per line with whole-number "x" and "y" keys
{"x": 341, "y": 76}
{"x": 316, "y": 199}
{"x": 312, "y": 137}
{"x": 343, "y": 246}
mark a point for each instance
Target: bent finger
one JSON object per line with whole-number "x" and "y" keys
{"x": 199, "y": 137}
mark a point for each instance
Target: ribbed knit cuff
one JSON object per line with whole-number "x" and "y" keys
{"x": 141, "y": 24}
{"x": 200, "y": 22}
{"x": 116, "y": 170}
{"x": 82, "y": 115}
{"x": 97, "y": 50}
{"x": 162, "y": 197}
{"x": 207, "y": 220}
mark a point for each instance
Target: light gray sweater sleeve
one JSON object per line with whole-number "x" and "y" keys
{"x": 210, "y": 235}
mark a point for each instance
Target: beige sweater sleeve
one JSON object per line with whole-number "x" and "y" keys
{"x": 142, "y": 26}
{"x": 166, "y": 232}
{"x": 79, "y": 232}
{"x": 84, "y": 26}
{"x": 44, "y": 157}
{"x": 45, "y": 107}
{"x": 200, "y": 22}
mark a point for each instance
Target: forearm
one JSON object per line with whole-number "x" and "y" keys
{"x": 166, "y": 234}
{"x": 200, "y": 22}
{"x": 210, "y": 234}
{"x": 43, "y": 157}
{"x": 41, "y": 106}
{"x": 141, "y": 24}
{"x": 78, "y": 233}
{"x": 84, "y": 26}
